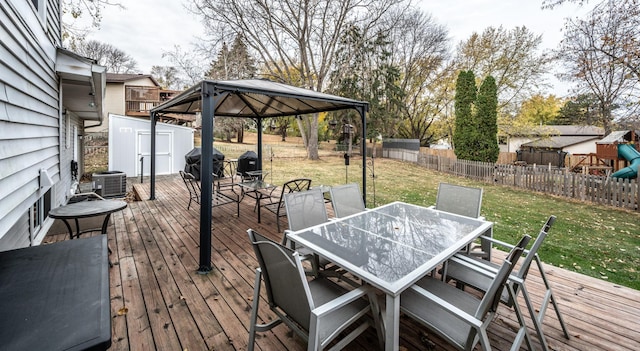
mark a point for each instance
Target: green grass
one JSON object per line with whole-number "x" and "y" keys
{"x": 599, "y": 241}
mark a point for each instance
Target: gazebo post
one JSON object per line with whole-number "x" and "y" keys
{"x": 259, "y": 126}
{"x": 362, "y": 110}
{"x": 152, "y": 189}
{"x": 206, "y": 177}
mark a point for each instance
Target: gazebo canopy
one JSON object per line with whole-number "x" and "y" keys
{"x": 251, "y": 98}
{"x": 256, "y": 98}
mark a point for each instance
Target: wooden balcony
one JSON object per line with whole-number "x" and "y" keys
{"x": 140, "y": 108}
{"x": 158, "y": 301}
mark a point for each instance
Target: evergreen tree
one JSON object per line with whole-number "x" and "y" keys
{"x": 465, "y": 125}
{"x": 486, "y": 119}
{"x": 233, "y": 63}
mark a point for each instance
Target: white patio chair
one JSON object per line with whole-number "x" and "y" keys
{"x": 305, "y": 209}
{"x": 464, "y": 270}
{"x": 346, "y": 200}
{"x": 318, "y": 310}
{"x": 464, "y": 201}
{"x": 459, "y": 317}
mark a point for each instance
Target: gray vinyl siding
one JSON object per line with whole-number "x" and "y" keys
{"x": 29, "y": 113}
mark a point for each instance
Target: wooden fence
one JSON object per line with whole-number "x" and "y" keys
{"x": 624, "y": 193}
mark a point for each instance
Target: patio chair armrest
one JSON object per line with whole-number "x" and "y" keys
{"x": 477, "y": 266}
{"x": 341, "y": 301}
{"x": 480, "y": 267}
{"x": 457, "y": 312}
{"x": 502, "y": 243}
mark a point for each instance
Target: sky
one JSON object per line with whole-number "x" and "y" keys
{"x": 147, "y": 28}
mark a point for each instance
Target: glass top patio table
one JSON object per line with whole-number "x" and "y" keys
{"x": 394, "y": 245}
{"x": 391, "y": 247}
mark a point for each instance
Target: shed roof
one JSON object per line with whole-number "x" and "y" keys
{"x": 558, "y": 142}
{"x": 618, "y": 136}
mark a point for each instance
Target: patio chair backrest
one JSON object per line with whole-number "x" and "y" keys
{"x": 193, "y": 186}
{"x": 491, "y": 298}
{"x": 458, "y": 199}
{"x": 285, "y": 288}
{"x": 292, "y": 186}
{"x": 305, "y": 209}
{"x": 526, "y": 262}
{"x": 346, "y": 200}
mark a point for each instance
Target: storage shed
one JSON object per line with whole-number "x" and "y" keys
{"x": 130, "y": 140}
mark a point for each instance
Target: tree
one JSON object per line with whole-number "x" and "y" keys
{"x": 73, "y": 33}
{"x": 292, "y": 36}
{"x": 465, "y": 125}
{"x": 234, "y": 63}
{"x": 513, "y": 57}
{"x": 596, "y": 56}
{"x": 114, "y": 59}
{"x": 537, "y": 110}
{"x": 486, "y": 117}
{"x": 365, "y": 72}
{"x": 581, "y": 110}
{"x": 167, "y": 76}
{"x": 419, "y": 48}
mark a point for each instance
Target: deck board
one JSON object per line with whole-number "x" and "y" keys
{"x": 159, "y": 301}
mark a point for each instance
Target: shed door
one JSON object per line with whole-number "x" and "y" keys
{"x": 164, "y": 147}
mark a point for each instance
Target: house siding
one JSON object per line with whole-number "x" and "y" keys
{"x": 29, "y": 115}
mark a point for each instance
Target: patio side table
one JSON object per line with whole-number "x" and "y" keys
{"x": 86, "y": 209}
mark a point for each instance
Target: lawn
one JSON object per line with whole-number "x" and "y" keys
{"x": 598, "y": 241}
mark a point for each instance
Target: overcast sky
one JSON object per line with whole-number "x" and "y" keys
{"x": 147, "y": 28}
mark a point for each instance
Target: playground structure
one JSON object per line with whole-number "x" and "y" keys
{"x": 629, "y": 153}
{"x": 617, "y": 152}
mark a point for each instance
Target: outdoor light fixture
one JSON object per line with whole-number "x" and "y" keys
{"x": 333, "y": 123}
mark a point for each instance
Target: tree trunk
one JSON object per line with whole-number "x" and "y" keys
{"x": 308, "y": 126}
{"x": 312, "y": 142}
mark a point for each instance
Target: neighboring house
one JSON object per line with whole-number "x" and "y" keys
{"x": 561, "y": 141}
{"x": 46, "y": 96}
{"x": 572, "y": 139}
{"x": 133, "y": 95}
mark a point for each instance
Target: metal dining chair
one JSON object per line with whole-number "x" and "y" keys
{"x": 462, "y": 319}
{"x": 464, "y": 201}
{"x": 318, "y": 310}
{"x": 277, "y": 200}
{"x": 346, "y": 200}
{"x": 464, "y": 270}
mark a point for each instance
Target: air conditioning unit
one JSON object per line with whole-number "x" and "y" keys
{"x": 110, "y": 183}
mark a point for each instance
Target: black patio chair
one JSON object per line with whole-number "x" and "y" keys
{"x": 278, "y": 207}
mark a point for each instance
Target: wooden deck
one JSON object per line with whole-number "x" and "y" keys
{"x": 158, "y": 301}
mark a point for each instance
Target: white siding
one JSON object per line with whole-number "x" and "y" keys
{"x": 29, "y": 111}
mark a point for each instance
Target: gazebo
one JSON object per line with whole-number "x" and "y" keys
{"x": 253, "y": 98}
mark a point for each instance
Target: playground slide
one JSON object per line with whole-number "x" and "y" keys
{"x": 629, "y": 153}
